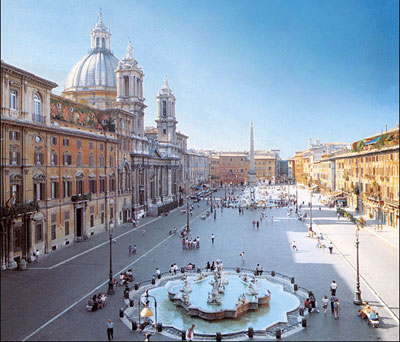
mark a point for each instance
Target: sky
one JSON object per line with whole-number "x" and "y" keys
{"x": 320, "y": 69}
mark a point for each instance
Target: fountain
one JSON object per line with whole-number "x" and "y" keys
{"x": 226, "y": 302}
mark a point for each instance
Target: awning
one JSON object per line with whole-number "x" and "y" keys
{"x": 336, "y": 193}
{"x": 314, "y": 187}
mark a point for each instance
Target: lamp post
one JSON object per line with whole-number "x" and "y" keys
{"x": 187, "y": 214}
{"x": 311, "y": 210}
{"x": 146, "y": 311}
{"x": 211, "y": 203}
{"x": 297, "y": 200}
{"x": 357, "y": 295}
{"x": 110, "y": 290}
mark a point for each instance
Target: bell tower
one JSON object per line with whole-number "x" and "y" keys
{"x": 166, "y": 121}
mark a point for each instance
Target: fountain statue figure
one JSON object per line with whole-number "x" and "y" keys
{"x": 186, "y": 288}
{"x": 213, "y": 297}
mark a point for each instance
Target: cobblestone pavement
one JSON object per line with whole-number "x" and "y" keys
{"x": 47, "y": 302}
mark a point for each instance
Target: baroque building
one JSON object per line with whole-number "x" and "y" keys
{"x": 71, "y": 164}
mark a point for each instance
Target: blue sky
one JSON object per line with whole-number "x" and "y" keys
{"x": 297, "y": 69}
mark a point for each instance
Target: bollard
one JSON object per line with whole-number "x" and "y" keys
{"x": 295, "y": 287}
{"x": 250, "y": 332}
{"x": 278, "y": 333}
{"x": 153, "y": 280}
{"x": 182, "y": 270}
{"x": 131, "y": 303}
{"x": 136, "y": 286}
{"x": 292, "y": 280}
{"x": 301, "y": 312}
{"x": 183, "y": 335}
{"x": 159, "y": 327}
{"x": 304, "y": 322}
{"x": 237, "y": 269}
{"x": 134, "y": 326}
{"x": 273, "y": 273}
{"x": 121, "y": 313}
{"x": 218, "y": 336}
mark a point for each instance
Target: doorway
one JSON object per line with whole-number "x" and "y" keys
{"x": 79, "y": 223}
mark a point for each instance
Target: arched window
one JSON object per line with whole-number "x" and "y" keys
{"x": 37, "y": 108}
{"x": 103, "y": 43}
{"x": 126, "y": 85}
{"x": 97, "y": 42}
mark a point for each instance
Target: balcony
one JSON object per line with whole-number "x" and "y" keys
{"x": 38, "y": 118}
{"x": 81, "y": 198}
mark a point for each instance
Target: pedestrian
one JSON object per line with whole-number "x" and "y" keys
{"x": 171, "y": 269}
{"x": 208, "y": 266}
{"x": 313, "y": 302}
{"x": 215, "y": 215}
{"x": 336, "y": 306}
{"x": 187, "y": 243}
{"x": 190, "y": 332}
{"x": 212, "y": 238}
{"x": 37, "y": 256}
{"x": 294, "y": 247}
{"x": 158, "y": 273}
{"x": 183, "y": 243}
{"x": 134, "y": 249}
{"x": 242, "y": 256}
{"x": 198, "y": 242}
{"x": 254, "y": 223}
{"x": 130, "y": 250}
{"x": 330, "y": 246}
{"x": 307, "y": 304}
{"x": 332, "y": 300}
{"x": 143, "y": 231}
{"x": 110, "y": 330}
{"x": 258, "y": 224}
{"x": 259, "y": 269}
{"x": 333, "y": 286}
{"x": 324, "y": 302}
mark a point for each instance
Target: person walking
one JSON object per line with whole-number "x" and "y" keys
{"x": 336, "y": 307}
{"x": 183, "y": 243}
{"x": 258, "y": 224}
{"x": 36, "y": 254}
{"x": 332, "y": 300}
{"x": 242, "y": 256}
{"x": 190, "y": 332}
{"x": 324, "y": 302}
{"x": 313, "y": 302}
{"x": 212, "y": 238}
{"x": 333, "y": 286}
{"x": 110, "y": 330}
{"x": 134, "y": 249}
{"x": 198, "y": 242}
{"x": 330, "y": 246}
{"x": 130, "y": 250}
{"x": 254, "y": 223}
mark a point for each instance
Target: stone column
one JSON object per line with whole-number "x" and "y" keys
{"x": 169, "y": 183}
{"x": 11, "y": 263}
{"x": 131, "y": 81}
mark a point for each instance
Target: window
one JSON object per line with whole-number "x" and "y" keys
{"x": 39, "y": 191}
{"x": 164, "y": 108}
{"x": 126, "y": 85}
{"x": 102, "y": 184}
{"x": 92, "y": 220}
{"x": 111, "y": 160}
{"x": 102, "y": 160}
{"x": 14, "y": 136}
{"x": 91, "y": 160}
{"x": 92, "y": 186}
{"x": 53, "y": 226}
{"x": 13, "y": 99}
{"x": 55, "y": 190}
{"x": 97, "y": 42}
{"x": 67, "y": 159}
{"x": 53, "y": 158}
{"x": 14, "y": 157}
{"x": 37, "y": 108}
{"x": 39, "y": 158}
{"x": 67, "y": 188}
{"x": 18, "y": 238}
{"x": 112, "y": 184}
{"x": 101, "y": 147}
{"x": 103, "y": 43}
{"x": 53, "y": 141}
{"x": 102, "y": 217}
{"x": 16, "y": 189}
{"x": 65, "y": 142}
{"x": 38, "y": 232}
{"x": 79, "y": 187}
{"x": 78, "y": 144}
{"x": 66, "y": 227}
{"x": 90, "y": 145}
{"x": 164, "y": 131}
{"x": 79, "y": 159}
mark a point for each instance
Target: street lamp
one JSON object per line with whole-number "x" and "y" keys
{"x": 211, "y": 203}
{"x": 146, "y": 311}
{"x": 311, "y": 210}
{"x": 110, "y": 290}
{"x": 187, "y": 215}
{"x": 297, "y": 200}
{"x": 357, "y": 295}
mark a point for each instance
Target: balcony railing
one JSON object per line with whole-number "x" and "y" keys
{"x": 38, "y": 118}
{"x": 80, "y": 198}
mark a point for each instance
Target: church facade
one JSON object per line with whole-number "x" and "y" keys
{"x": 71, "y": 164}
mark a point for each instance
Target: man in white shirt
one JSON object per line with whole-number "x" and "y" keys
{"x": 333, "y": 288}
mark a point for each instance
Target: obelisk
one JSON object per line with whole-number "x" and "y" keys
{"x": 252, "y": 173}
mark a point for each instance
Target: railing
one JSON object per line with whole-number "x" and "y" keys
{"x": 79, "y": 198}
{"x": 38, "y": 118}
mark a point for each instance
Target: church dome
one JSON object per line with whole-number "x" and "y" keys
{"x": 95, "y": 71}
